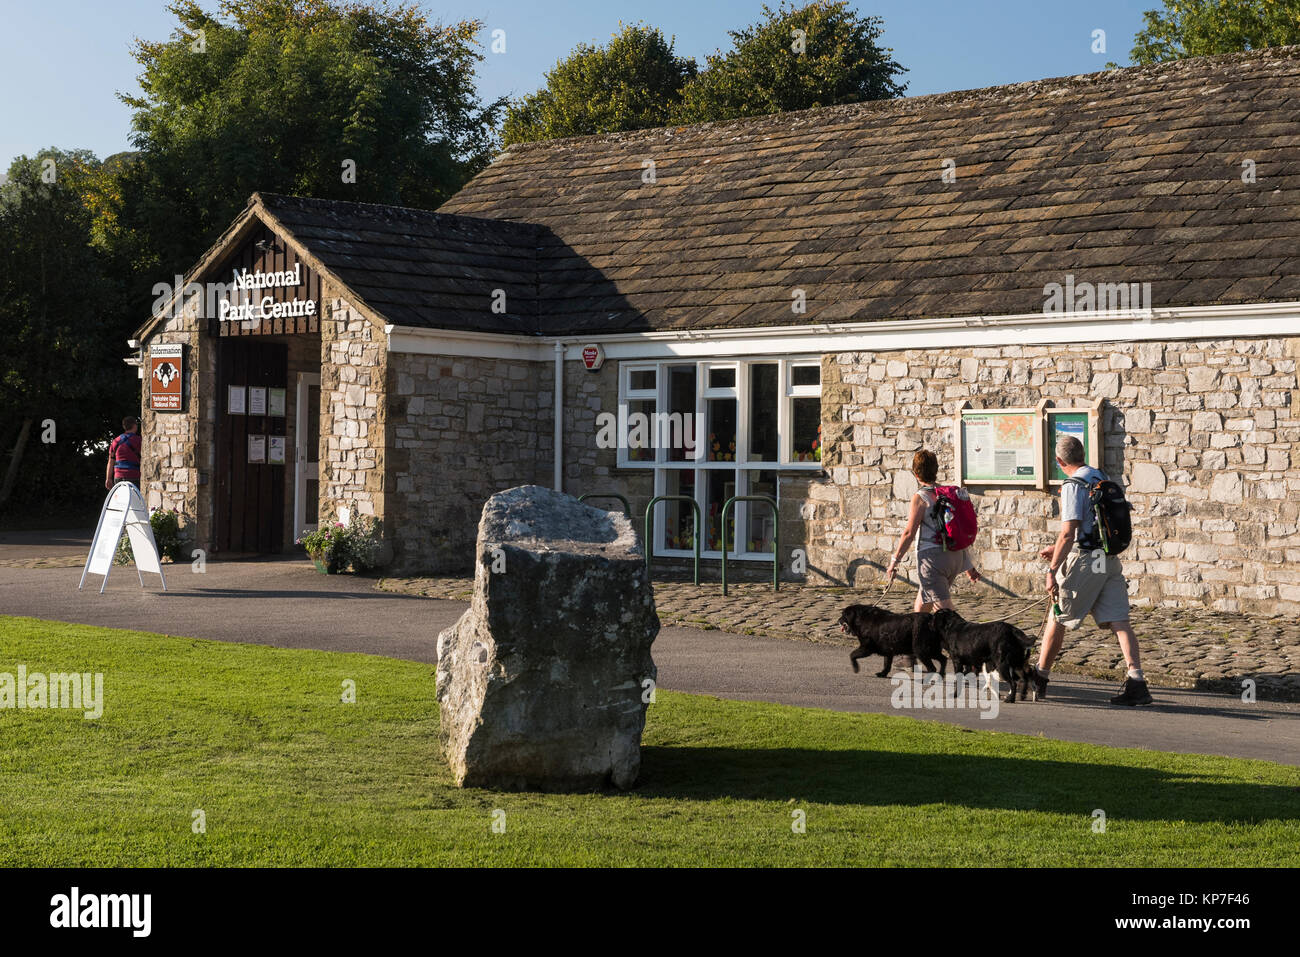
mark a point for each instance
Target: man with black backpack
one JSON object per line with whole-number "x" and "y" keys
{"x": 1085, "y": 574}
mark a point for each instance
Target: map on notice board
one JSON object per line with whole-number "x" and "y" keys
{"x": 998, "y": 446}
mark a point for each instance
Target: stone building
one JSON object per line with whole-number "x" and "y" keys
{"x": 815, "y": 295}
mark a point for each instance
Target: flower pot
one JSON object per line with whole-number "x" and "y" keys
{"x": 324, "y": 562}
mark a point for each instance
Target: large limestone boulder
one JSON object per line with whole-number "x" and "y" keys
{"x": 540, "y": 682}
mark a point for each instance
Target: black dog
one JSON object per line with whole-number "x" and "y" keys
{"x": 1000, "y": 645}
{"x": 881, "y": 632}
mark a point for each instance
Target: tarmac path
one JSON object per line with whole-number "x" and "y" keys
{"x": 285, "y": 603}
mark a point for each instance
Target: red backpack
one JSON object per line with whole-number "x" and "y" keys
{"x": 954, "y": 515}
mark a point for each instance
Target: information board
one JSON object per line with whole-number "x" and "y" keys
{"x": 166, "y": 382}
{"x": 999, "y": 446}
{"x": 1066, "y": 423}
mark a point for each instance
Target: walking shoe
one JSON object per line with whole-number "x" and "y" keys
{"x": 1133, "y": 692}
{"x": 1037, "y": 686}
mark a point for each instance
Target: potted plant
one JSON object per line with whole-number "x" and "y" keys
{"x": 327, "y": 547}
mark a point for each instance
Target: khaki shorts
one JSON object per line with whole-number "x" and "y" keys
{"x": 937, "y": 570}
{"x": 1093, "y": 582}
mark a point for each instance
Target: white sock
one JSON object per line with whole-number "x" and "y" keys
{"x": 1136, "y": 674}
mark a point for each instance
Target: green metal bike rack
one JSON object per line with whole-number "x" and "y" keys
{"x": 649, "y": 528}
{"x": 776, "y": 537}
{"x": 627, "y": 509}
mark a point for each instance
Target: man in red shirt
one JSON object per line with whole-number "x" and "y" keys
{"x": 124, "y": 455}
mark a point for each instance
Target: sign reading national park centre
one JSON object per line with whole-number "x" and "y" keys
{"x": 246, "y": 305}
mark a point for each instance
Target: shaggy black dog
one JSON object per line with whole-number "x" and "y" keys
{"x": 884, "y": 633}
{"x": 998, "y": 644}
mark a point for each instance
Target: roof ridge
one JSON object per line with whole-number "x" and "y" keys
{"x": 1025, "y": 88}
{"x": 268, "y": 200}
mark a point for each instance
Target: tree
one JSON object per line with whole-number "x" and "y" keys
{"x": 62, "y": 379}
{"x": 1204, "y": 27}
{"x": 323, "y": 98}
{"x": 631, "y": 83}
{"x": 793, "y": 59}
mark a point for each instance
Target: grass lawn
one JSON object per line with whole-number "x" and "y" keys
{"x": 286, "y": 773}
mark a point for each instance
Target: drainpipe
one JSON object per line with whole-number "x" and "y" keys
{"x": 559, "y": 417}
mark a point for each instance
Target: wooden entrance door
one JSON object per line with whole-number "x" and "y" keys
{"x": 250, "y": 495}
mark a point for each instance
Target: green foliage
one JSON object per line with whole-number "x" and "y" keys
{"x": 635, "y": 81}
{"x": 172, "y": 542}
{"x": 327, "y": 545}
{"x": 276, "y": 95}
{"x": 764, "y": 73}
{"x": 631, "y": 83}
{"x": 62, "y": 370}
{"x": 337, "y": 546}
{"x": 1204, "y": 27}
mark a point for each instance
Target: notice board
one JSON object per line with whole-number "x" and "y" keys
{"x": 1000, "y": 446}
{"x": 166, "y": 382}
{"x": 1084, "y": 425}
{"x": 1018, "y": 446}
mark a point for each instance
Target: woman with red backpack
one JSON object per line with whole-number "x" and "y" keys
{"x": 124, "y": 455}
{"x": 942, "y": 520}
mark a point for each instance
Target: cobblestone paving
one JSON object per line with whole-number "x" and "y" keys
{"x": 65, "y": 562}
{"x": 1185, "y": 648}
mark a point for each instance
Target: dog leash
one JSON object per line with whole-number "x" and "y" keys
{"x": 1036, "y": 601}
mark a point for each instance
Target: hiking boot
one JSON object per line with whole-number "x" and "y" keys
{"x": 1133, "y": 693}
{"x": 1037, "y": 686}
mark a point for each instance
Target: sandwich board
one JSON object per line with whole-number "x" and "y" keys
{"x": 124, "y": 509}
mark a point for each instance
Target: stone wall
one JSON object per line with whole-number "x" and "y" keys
{"x": 588, "y": 468}
{"x": 354, "y": 417}
{"x": 177, "y": 446}
{"x": 1204, "y": 435}
{"x": 461, "y": 429}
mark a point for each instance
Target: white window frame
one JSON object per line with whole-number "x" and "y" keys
{"x": 790, "y": 392}
{"x": 700, "y": 464}
{"x": 626, "y": 396}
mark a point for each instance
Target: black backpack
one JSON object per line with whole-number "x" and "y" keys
{"x": 1113, "y": 530}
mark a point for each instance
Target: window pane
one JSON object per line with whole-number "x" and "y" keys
{"x": 641, "y": 379}
{"x": 722, "y": 430}
{"x": 681, "y": 401}
{"x": 678, "y": 518}
{"x": 806, "y": 430}
{"x": 763, "y": 399}
{"x": 719, "y": 485}
{"x": 313, "y": 423}
{"x": 805, "y": 375}
{"x": 722, "y": 378}
{"x": 311, "y": 502}
{"x": 640, "y": 430}
{"x": 761, "y": 524}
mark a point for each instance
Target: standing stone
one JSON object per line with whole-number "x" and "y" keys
{"x": 540, "y": 683}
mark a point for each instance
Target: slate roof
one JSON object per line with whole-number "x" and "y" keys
{"x": 1131, "y": 175}
{"x": 420, "y": 268}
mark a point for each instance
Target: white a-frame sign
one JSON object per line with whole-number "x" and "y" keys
{"x": 123, "y": 509}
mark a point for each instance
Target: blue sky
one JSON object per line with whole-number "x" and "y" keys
{"x": 62, "y": 61}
